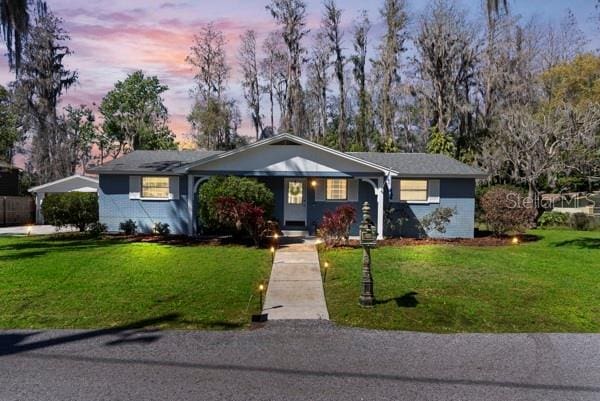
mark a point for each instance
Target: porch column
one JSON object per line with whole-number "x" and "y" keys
{"x": 379, "y": 193}
{"x": 190, "y": 204}
{"x": 39, "y": 199}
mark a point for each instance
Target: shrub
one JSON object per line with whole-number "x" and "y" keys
{"x": 505, "y": 209}
{"x": 438, "y": 219}
{"x": 76, "y": 209}
{"x": 243, "y": 216}
{"x": 335, "y": 226}
{"x": 553, "y": 219}
{"x": 580, "y": 221}
{"x": 129, "y": 227}
{"x": 242, "y": 189}
{"x": 96, "y": 228}
{"x": 161, "y": 229}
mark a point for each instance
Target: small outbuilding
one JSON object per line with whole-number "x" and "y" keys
{"x": 74, "y": 183}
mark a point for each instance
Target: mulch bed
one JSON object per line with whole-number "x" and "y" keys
{"x": 176, "y": 239}
{"x": 487, "y": 240}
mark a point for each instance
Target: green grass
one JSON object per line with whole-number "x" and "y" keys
{"x": 86, "y": 283}
{"x": 551, "y": 285}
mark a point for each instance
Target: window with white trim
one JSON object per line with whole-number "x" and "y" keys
{"x": 155, "y": 187}
{"x": 337, "y": 189}
{"x": 413, "y": 191}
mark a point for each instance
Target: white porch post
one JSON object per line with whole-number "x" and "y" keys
{"x": 190, "y": 204}
{"x": 39, "y": 199}
{"x": 379, "y": 193}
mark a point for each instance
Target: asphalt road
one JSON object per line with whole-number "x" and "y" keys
{"x": 296, "y": 361}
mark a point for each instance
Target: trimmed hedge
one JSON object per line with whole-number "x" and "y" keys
{"x": 77, "y": 209}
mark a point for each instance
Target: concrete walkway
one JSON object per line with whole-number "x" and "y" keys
{"x": 295, "y": 288}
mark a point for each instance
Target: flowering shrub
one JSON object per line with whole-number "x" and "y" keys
{"x": 242, "y": 189}
{"x": 335, "y": 226}
{"x": 243, "y": 216}
{"x": 505, "y": 209}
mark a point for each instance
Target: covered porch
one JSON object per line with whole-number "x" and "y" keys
{"x": 306, "y": 179}
{"x": 301, "y": 201}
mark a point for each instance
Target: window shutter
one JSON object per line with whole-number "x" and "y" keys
{"x": 395, "y": 190}
{"x": 433, "y": 189}
{"x": 135, "y": 186}
{"x": 174, "y": 187}
{"x": 320, "y": 190}
{"x": 352, "y": 190}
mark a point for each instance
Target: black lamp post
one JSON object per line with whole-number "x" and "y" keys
{"x": 368, "y": 240}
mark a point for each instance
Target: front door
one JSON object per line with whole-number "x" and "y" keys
{"x": 294, "y": 211}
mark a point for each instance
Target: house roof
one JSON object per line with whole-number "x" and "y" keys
{"x": 169, "y": 162}
{"x": 68, "y": 184}
{"x": 421, "y": 164}
{"x": 287, "y": 139}
{"x": 153, "y": 161}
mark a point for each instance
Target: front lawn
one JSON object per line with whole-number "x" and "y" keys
{"x": 551, "y": 285}
{"x": 85, "y": 283}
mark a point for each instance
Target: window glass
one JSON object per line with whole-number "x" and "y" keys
{"x": 413, "y": 190}
{"x": 337, "y": 189}
{"x": 295, "y": 192}
{"x": 155, "y": 187}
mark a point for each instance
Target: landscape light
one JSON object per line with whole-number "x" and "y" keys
{"x": 515, "y": 240}
{"x": 28, "y": 230}
{"x": 260, "y": 300}
{"x": 326, "y": 265}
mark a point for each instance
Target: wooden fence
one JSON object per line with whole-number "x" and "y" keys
{"x": 16, "y": 210}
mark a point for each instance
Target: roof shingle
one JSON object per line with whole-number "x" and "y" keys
{"x": 152, "y": 161}
{"x": 421, "y": 164}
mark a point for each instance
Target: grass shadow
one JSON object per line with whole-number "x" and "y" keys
{"x": 581, "y": 243}
{"x": 407, "y": 300}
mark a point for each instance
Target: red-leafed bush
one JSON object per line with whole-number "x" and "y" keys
{"x": 335, "y": 226}
{"x": 505, "y": 209}
{"x": 243, "y": 216}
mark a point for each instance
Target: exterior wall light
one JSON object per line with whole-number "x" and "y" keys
{"x": 313, "y": 183}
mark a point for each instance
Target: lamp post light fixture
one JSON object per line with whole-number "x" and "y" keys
{"x": 261, "y": 288}
{"x": 368, "y": 240}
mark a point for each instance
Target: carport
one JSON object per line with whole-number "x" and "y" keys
{"x": 74, "y": 183}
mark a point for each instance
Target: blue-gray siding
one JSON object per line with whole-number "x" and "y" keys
{"x": 116, "y": 207}
{"x": 455, "y": 193}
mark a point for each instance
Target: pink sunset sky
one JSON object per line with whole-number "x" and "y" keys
{"x": 111, "y": 39}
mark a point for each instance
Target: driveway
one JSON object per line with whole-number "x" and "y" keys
{"x": 298, "y": 360}
{"x": 34, "y": 230}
